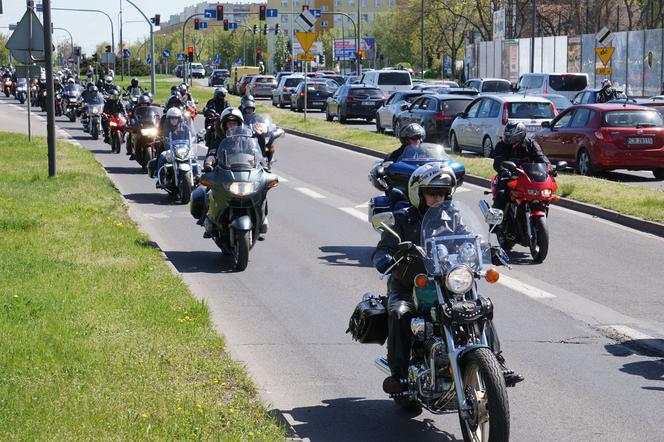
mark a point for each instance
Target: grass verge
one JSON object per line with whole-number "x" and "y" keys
{"x": 100, "y": 340}
{"x": 641, "y": 202}
{"x": 163, "y": 85}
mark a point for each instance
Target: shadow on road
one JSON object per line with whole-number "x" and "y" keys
{"x": 652, "y": 370}
{"x": 201, "y": 261}
{"x": 162, "y": 199}
{"x": 520, "y": 258}
{"x": 353, "y": 256}
{"x": 125, "y": 170}
{"x": 358, "y": 419}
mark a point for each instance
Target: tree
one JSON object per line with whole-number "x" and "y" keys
{"x": 281, "y": 53}
{"x": 395, "y": 32}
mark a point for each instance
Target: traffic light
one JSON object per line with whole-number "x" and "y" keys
{"x": 157, "y": 19}
{"x": 276, "y": 29}
{"x": 225, "y": 24}
{"x": 108, "y": 48}
{"x": 261, "y": 12}
{"x": 220, "y": 12}
{"x": 360, "y": 55}
{"x": 197, "y": 24}
{"x": 255, "y": 29}
{"x": 190, "y": 53}
{"x": 265, "y": 29}
{"x": 305, "y": 8}
{"x": 259, "y": 55}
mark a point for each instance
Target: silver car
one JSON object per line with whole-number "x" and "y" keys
{"x": 480, "y": 127}
{"x": 281, "y": 94}
{"x": 385, "y": 115}
{"x": 262, "y": 86}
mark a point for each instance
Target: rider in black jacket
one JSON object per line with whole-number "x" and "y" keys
{"x": 215, "y": 105}
{"x": 112, "y": 106}
{"x": 412, "y": 133}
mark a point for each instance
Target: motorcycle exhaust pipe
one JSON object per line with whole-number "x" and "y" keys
{"x": 382, "y": 365}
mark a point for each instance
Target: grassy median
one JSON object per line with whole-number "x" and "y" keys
{"x": 100, "y": 340}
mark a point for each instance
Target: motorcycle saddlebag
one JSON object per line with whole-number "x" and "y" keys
{"x": 198, "y": 204}
{"x": 368, "y": 323}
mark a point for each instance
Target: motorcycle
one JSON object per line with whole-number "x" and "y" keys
{"x": 132, "y": 96}
{"x": 72, "y": 101}
{"x": 91, "y": 115}
{"x": 453, "y": 366}
{"x": 143, "y": 133}
{"x": 58, "y": 104}
{"x": 22, "y": 91}
{"x": 210, "y": 136}
{"x": 7, "y": 86}
{"x": 176, "y": 169}
{"x": 391, "y": 178}
{"x": 262, "y": 126}
{"x": 189, "y": 110}
{"x": 117, "y": 125}
{"x": 233, "y": 203}
{"x": 531, "y": 187}
{"x": 43, "y": 99}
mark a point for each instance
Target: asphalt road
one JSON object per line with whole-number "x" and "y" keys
{"x": 286, "y": 315}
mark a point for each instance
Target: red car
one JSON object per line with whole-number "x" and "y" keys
{"x": 596, "y": 137}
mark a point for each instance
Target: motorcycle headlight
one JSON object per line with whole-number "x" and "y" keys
{"x": 182, "y": 152}
{"x": 459, "y": 280}
{"x": 187, "y": 114}
{"x": 113, "y": 124}
{"x": 242, "y": 188}
{"x": 95, "y": 110}
{"x": 546, "y": 192}
{"x": 149, "y": 132}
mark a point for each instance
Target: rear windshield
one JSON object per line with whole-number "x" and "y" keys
{"x": 632, "y": 118}
{"x": 568, "y": 82}
{"x": 409, "y": 98}
{"x": 290, "y": 82}
{"x": 371, "y": 93}
{"x": 496, "y": 86}
{"x": 394, "y": 78}
{"x": 265, "y": 80}
{"x": 452, "y": 107}
{"x": 323, "y": 87}
{"x": 530, "y": 110}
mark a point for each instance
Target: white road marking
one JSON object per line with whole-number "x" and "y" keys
{"x": 282, "y": 179}
{"x": 354, "y": 212}
{"x": 310, "y": 193}
{"x": 462, "y": 189}
{"x": 362, "y": 206}
{"x": 523, "y": 288}
{"x": 625, "y": 331}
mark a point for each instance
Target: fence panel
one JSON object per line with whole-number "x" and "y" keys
{"x": 635, "y": 56}
{"x": 652, "y": 76}
{"x": 618, "y": 61}
{"x": 524, "y": 55}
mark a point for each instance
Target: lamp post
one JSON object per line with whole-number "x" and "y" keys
{"x": 422, "y": 39}
{"x": 532, "y": 38}
{"x": 71, "y": 39}
{"x": 152, "y": 61}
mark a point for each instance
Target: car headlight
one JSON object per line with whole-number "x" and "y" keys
{"x": 182, "y": 152}
{"x": 459, "y": 280}
{"x": 149, "y": 132}
{"x": 242, "y": 188}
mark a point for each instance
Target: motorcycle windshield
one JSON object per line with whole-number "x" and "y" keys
{"x": 239, "y": 147}
{"x": 147, "y": 114}
{"x": 451, "y": 237}
{"x": 537, "y": 172}
{"x": 96, "y": 99}
{"x": 424, "y": 152}
{"x": 259, "y": 122}
{"x": 182, "y": 132}
{"x": 73, "y": 90}
{"x": 135, "y": 92}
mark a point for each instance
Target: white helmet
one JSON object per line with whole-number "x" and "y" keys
{"x": 174, "y": 112}
{"x": 430, "y": 176}
{"x": 231, "y": 114}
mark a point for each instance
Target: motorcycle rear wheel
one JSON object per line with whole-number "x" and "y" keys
{"x": 241, "y": 249}
{"x": 486, "y": 391}
{"x": 539, "y": 243}
{"x": 6, "y": 94}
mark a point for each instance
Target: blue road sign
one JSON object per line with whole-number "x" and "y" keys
{"x": 148, "y": 60}
{"x": 232, "y": 26}
{"x": 182, "y": 57}
{"x": 316, "y": 12}
{"x": 238, "y": 62}
{"x": 217, "y": 59}
{"x": 166, "y": 53}
{"x": 210, "y": 13}
{"x": 226, "y": 64}
{"x": 271, "y": 13}
{"x": 202, "y": 25}
{"x": 126, "y": 53}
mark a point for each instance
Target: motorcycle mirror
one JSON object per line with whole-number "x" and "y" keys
{"x": 509, "y": 165}
{"x": 561, "y": 165}
{"x": 491, "y": 216}
{"x": 200, "y": 136}
{"x": 405, "y": 246}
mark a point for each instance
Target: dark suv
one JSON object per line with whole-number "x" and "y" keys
{"x": 317, "y": 93}
{"x": 355, "y": 101}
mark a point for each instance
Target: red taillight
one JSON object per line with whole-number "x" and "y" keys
{"x": 504, "y": 121}
{"x": 285, "y": 88}
{"x": 602, "y": 134}
{"x": 349, "y": 98}
{"x": 553, "y": 108}
{"x": 439, "y": 117}
{"x": 301, "y": 94}
{"x": 254, "y": 85}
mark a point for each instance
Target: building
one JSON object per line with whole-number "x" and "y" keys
{"x": 234, "y": 12}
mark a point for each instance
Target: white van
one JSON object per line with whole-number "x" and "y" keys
{"x": 388, "y": 80}
{"x": 567, "y": 85}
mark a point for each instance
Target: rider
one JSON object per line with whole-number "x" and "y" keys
{"x": 247, "y": 105}
{"x": 112, "y": 106}
{"x": 176, "y": 99}
{"x": 215, "y": 105}
{"x": 143, "y": 101}
{"x": 132, "y": 86}
{"x": 175, "y": 128}
{"x": 412, "y": 133}
{"x": 230, "y": 117}
{"x": 607, "y": 92}
{"x": 517, "y": 148}
{"x": 108, "y": 84}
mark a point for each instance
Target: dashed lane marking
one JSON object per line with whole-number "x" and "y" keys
{"x": 354, "y": 212}
{"x": 310, "y": 193}
{"x": 523, "y": 288}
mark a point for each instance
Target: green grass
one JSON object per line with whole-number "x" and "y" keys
{"x": 100, "y": 340}
{"x": 163, "y": 85}
{"x": 637, "y": 201}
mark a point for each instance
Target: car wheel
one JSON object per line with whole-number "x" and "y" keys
{"x": 659, "y": 174}
{"x": 454, "y": 143}
{"x": 281, "y": 103}
{"x": 585, "y": 164}
{"x": 369, "y": 119}
{"x": 487, "y": 147}
{"x": 328, "y": 117}
{"x": 342, "y": 118}
{"x": 379, "y": 129}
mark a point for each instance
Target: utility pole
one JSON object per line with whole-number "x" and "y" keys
{"x": 121, "y": 48}
{"x": 532, "y": 38}
{"x": 422, "y": 38}
{"x": 50, "y": 102}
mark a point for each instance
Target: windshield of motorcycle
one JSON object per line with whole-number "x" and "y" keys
{"x": 135, "y": 92}
{"x": 452, "y": 236}
{"x": 239, "y": 147}
{"x": 147, "y": 114}
{"x": 537, "y": 172}
{"x": 179, "y": 131}
{"x": 418, "y": 153}
{"x": 73, "y": 90}
{"x": 96, "y": 99}
{"x": 259, "y": 121}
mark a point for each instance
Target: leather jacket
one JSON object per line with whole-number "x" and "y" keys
{"x": 527, "y": 152}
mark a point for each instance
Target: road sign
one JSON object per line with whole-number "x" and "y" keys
{"x": 306, "y": 20}
{"x": 603, "y": 71}
{"x": 126, "y": 53}
{"x": 21, "y": 42}
{"x": 108, "y": 57}
{"x": 232, "y": 26}
{"x": 306, "y": 39}
{"x": 306, "y": 57}
{"x": 181, "y": 56}
{"x": 603, "y": 35}
{"x": 316, "y": 12}
{"x": 605, "y": 54}
{"x": 166, "y": 53}
{"x": 148, "y": 60}
{"x": 210, "y": 13}
{"x": 217, "y": 59}
{"x": 203, "y": 25}
{"x": 271, "y": 13}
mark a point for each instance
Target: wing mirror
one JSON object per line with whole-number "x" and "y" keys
{"x": 403, "y": 106}
{"x": 546, "y": 124}
{"x": 200, "y": 136}
{"x": 491, "y": 216}
{"x": 383, "y": 222}
{"x": 561, "y": 165}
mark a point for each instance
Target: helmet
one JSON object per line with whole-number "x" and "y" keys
{"x": 514, "y": 133}
{"x": 247, "y": 102}
{"x": 430, "y": 176}
{"x": 606, "y": 83}
{"x": 183, "y": 89}
{"x": 114, "y": 95}
{"x": 94, "y": 88}
{"x": 144, "y": 100}
{"x": 108, "y": 80}
{"x": 411, "y": 130}
{"x": 231, "y": 114}
{"x": 174, "y": 112}
{"x": 134, "y": 82}
{"x": 99, "y": 83}
{"x": 70, "y": 81}
{"x": 174, "y": 90}
{"x": 220, "y": 93}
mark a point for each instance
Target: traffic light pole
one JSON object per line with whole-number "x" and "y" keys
{"x": 184, "y": 48}
{"x": 152, "y": 61}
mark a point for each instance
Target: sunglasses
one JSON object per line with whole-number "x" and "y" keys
{"x": 415, "y": 138}
{"x": 435, "y": 192}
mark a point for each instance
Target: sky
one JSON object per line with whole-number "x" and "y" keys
{"x": 89, "y": 29}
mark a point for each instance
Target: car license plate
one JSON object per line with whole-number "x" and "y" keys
{"x": 316, "y": 103}
{"x": 367, "y": 103}
{"x": 644, "y": 140}
{"x": 531, "y": 129}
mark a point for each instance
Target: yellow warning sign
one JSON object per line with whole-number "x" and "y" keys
{"x": 306, "y": 39}
{"x": 603, "y": 71}
{"x": 604, "y": 54}
{"x": 306, "y": 57}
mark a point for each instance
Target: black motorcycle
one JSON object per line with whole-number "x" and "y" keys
{"x": 72, "y": 101}
{"x": 143, "y": 132}
{"x": 233, "y": 203}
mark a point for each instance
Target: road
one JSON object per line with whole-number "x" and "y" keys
{"x": 286, "y": 315}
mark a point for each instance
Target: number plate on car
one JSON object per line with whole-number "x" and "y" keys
{"x": 367, "y": 103}
{"x": 317, "y": 103}
{"x": 533, "y": 128}
{"x": 644, "y": 140}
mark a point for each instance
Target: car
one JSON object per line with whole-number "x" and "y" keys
{"x": 435, "y": 84}
{"x": 480, "y": 127}
{"x": 282, "y": 74}
{"x": 355, "y": 101}
{"x": 656, "y": 102}
{"x": 606, "y": 136}
{"x": 566, "y": 84}
{"x": 318, "y": 92}
{"x": 237, "y": 74}
{"x": 243, "y": 82}
{"x": 197, "y": 70}
{"x": 469, "y": 92}
{"x": 282, "y": 93}
{"x": 337, "y": 78}
{"x": 261, "y": 85}
{"x": 352, "y": 79}
{"x": 218, "y": 77}
{"x": 589, "y": 96}
{"x": 386, "y": 113}
{"x": 489, "y": 85}
{"x": 434, "y": 113}
{"x": 178, "y": 71}
{"x": 388, "y": 81}
{"x": 560, "y": 101}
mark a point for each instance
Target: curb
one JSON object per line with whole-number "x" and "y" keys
{"x": 651, "y": 227}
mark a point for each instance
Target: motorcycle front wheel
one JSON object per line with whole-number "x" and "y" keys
{"x": 241, "y": 249}
{"x": 116, "y": 144}
{"x": 185, "y": 187}
{"x": 486, "y": 393}
{"x": 539, "y": 242}
{"x": 94, "y": 132}
{"x": 72, "y": 117}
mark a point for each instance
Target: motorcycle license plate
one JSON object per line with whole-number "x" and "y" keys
{"x": 644, "y": 140}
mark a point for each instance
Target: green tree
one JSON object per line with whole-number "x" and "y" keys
{"x": 281, "y": 54}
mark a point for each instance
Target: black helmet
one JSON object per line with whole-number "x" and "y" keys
{"x": 412, "y": 130}
{"x": 174, "y": 90}
{"x": 220, "y": 93}
{"x": 144, "y": 100}
{"x": 514, "y": 133}
{"x": 247, "y": 102}
{"x": 134, "y": 82}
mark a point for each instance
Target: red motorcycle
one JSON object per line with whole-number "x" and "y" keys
{"x": 7, "y": 86}
{"x": 117, "y": 126}
{"x": 531, "y": 187}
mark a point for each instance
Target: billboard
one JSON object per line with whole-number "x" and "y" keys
{"x": 345, "y": 49}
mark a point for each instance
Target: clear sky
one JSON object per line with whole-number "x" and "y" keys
{"x": 89, "y": 29}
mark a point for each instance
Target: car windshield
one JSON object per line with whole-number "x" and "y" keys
{"x": 292, "y": 82}
{"x": 568, "y": 82}
{"x": 496, "y": 86}
{"x": 268, "y": 80}
{"x": 366, "y": 93}
{"x": 560, "y": 102}
{"x": 632, "y": 118}
{"x": 239, "y": 148}
{"x": 418, "y": 153}
{"x": 394, "y": 78}
{"x": 322, "y": 87}
{"x": 525, "y": 110}
{"x": 451, "y": 237}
